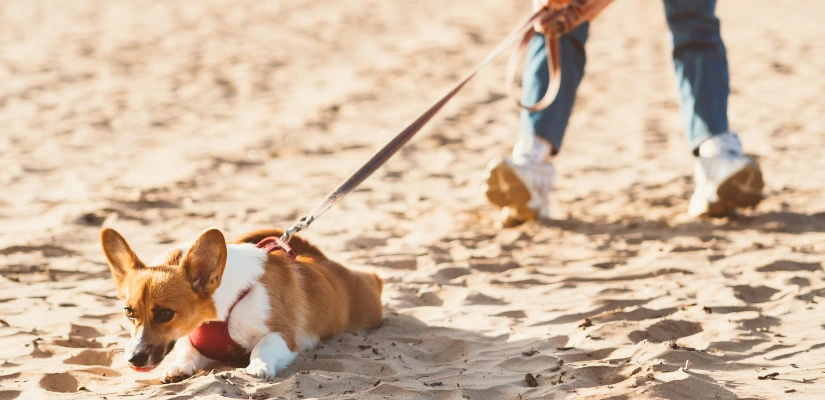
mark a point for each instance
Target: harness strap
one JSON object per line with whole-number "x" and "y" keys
{"x": 232, "y": 307}
{"x": 273, "y": 243}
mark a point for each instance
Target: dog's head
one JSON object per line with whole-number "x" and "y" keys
{"x": 165, "y": 302}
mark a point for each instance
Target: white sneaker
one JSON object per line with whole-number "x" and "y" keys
{"x": 726, "y": 179}
{"x": 521, "y": 186}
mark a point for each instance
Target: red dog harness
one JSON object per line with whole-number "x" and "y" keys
{"x": 212, "y": 338}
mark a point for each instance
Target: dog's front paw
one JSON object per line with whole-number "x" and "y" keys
{"x": 178, "y": 372}
{"x": 259, "y": 368}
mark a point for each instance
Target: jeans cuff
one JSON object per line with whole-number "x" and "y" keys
{"x": 696, "y": 140}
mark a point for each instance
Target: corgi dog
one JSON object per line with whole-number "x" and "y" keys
{"x": 213, "y": 301}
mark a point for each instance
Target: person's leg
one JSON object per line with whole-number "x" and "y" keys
{"x": 521, "y": 185}
{"x": 701, "y": 65}
{"x": 551, "y": 123}
{"x": 726, "y": 179}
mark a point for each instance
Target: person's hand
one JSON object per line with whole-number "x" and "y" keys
{"x": 551, "y": 4}
{"x": 542, "y": 26}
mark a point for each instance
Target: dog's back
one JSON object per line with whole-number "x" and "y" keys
{"x": 301, "y": 246}
{"x": 330, "y": 287}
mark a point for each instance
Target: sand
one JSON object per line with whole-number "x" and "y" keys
{"x": 162, "y": 119}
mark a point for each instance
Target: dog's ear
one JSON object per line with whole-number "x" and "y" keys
{"x": 205, "y": 261}
{"x": 119, "y": 255}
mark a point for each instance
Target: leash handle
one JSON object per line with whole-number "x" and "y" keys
{"x": 553, "y": 25}
{"x": 389, "y": 149}
{"x": 553, "y": 67}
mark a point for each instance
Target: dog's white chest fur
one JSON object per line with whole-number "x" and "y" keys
{"x": 244, "y": 266}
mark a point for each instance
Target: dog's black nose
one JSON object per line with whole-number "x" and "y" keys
{"x": 139, "y": 359}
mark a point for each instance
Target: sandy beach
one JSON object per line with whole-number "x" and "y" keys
{"x": 162, "y": 119}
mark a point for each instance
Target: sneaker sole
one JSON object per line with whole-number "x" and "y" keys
{"x": 743, "y": 189}
{"x": 506, "y": 189}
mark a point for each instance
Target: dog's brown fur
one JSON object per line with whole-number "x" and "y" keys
{"x": 326, "y": 296}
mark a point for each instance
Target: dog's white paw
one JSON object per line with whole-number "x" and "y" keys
{"x": 259, "y": 368}
{"x": 178, "y": 371}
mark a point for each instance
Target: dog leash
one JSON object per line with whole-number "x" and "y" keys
{"x": 562, "y": 20}
{"x": 382, "y": 155}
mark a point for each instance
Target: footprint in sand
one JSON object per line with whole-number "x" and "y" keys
{"x": 365, "y": 242}
{"x": 445, "y": 275}
{"x": 638, "y": 314}
{"x": 521, "y": 363}
{"x": 9, "y": 394}
{"x": 440, "y": 350}
{"x": 431, "y": 297}
{"x": 90, "y": 219}
{"x": 477, "y": 298}
{"x": 493, "y": 265}
{"x": 91, "y": 357}
{"x": 689, "y": 387}
{"x": 37, "y": 352}
{"x": 798, "y": 281}
{"x": 78, "y": 343}
{"x": 395, "y": 262}
{"x": 47, "y": 250}
{"x": 754, "y": 294}
{"x": 792, "y": 266}
{"x": 666, "y": 330}
{"x": 762, "y": 322}
{"x": 515, "y": 314}
{"x": 83, "y": 331}
{"x": 62, "y": 382}
{"x": 604, "y": 374}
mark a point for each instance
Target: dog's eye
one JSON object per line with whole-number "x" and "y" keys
{"x": 164, "y": 315}
{"x": 130, "y": 313}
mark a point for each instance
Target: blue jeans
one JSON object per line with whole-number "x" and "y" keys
{"x": 699, "y": 59}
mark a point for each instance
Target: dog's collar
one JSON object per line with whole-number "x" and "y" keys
{"x": 212, "y": 338}
{"x": 274, "y": 243}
